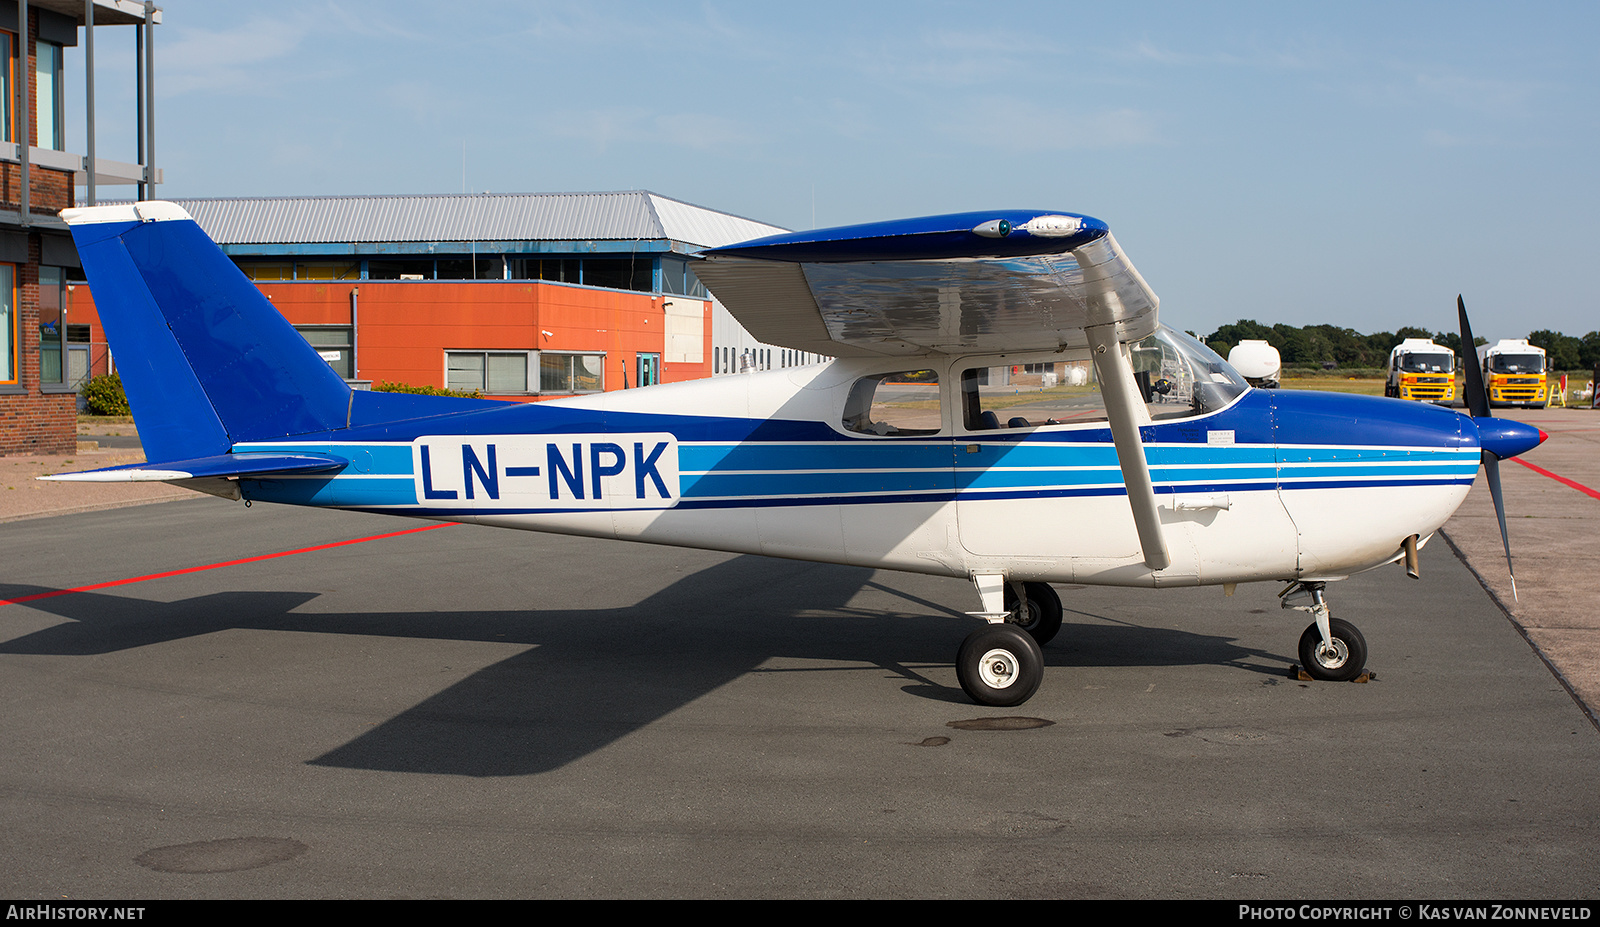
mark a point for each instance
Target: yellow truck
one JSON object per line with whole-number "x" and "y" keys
{"x": 1514, "y": 373}
{"x": 1419, "y": 369}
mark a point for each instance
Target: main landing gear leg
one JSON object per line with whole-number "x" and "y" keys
{"x": 1331, "y": 649}
{"x": 999, "y": 664}
{"x": 1035, "y": 608}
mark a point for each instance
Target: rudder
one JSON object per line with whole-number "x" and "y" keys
{"x": 205, "y": 359}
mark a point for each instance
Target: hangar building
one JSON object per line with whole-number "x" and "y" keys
{"x": 515, "y": 296}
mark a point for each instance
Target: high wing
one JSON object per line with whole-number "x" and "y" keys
{"x": 1009, "y": 280}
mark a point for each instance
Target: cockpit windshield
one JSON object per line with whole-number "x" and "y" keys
{"x": 1180, "y": 377}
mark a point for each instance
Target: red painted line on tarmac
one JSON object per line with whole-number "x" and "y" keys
{"x": 1559, "y": 479}
{"x": 213, "y": 566}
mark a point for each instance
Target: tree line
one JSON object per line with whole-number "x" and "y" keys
{"x": 1324, "y": 345}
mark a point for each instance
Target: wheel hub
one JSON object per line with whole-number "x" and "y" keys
{"x": 998, "y": 668}
{"x": 1333, "y": 655}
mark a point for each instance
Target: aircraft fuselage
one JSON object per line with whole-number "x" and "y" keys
{"x": 1277, "y": 485}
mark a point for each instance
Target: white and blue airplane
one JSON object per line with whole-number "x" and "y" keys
{"x": 1003, "y": 406}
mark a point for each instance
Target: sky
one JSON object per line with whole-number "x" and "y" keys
{"x": 1356, "y": 164}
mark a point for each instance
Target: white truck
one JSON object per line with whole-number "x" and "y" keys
{"x": 1514, "y": 373}
{"x": 1421, "y": 370}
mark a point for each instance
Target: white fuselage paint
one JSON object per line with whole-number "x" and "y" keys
{"x": 633, "y": 485}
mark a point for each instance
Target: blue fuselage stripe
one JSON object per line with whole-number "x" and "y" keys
{"x": 797, "y": 463}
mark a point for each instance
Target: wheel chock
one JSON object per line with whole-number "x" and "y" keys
{"x": 1299, "y": 674}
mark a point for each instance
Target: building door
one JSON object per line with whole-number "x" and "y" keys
{"x": 649, "y": 367}
{"x": 77, "y": 365}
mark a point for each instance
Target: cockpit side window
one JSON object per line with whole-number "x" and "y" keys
{"x": 889, "y": 404}
{"x": 1176, "y": 376}
{"x": 1029, "y": 395}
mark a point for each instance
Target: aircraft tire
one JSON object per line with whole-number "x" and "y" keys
{"x": 1042, "y": 618}
{"x": 1000, "y": 665}
{"x": 1347, "y": 661}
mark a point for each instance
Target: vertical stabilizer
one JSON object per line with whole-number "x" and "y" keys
{"x": 205, "y": 359}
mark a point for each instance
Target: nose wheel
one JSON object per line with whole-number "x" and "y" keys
{"x": 1331, "y": 649}
{"x": 1339, "y": 659}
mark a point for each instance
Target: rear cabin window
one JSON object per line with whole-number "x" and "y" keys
{"x": 890, "y": 404}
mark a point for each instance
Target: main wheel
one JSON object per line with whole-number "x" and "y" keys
{"x": 1000, "y": 664}
{"x": 1342, "y": 661}
{"x": 1040, "y": 616}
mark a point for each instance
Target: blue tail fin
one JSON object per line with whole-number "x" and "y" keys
{"x": 206, "y": 360}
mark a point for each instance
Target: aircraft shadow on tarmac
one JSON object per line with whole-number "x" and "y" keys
{"x": 594, "y": 676}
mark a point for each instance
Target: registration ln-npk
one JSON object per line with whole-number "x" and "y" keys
{"x": 1003, "y": 406}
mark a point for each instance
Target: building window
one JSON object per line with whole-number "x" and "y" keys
{"x": 677, "y": 278}
{"x": 333, "y": 343}
{"x": 327, "y": 270}
{"x": 52, "y": 326}
{"x": 8, "y": 67}
{"x": 491, "y": 372}
{"x": 571, "y": 373}
{"x": 400, "y": 270}
{"x": 49, "y": 96}
{"x": 636, "y": 272}
{"x": 267, "y": 270}
{"x": 10, "y": 336}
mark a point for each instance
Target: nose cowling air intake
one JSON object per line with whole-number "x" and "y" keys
{"x": 1505, "y": 439}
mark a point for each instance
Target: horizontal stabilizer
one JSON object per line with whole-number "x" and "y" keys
{"x": 220, "y": 465}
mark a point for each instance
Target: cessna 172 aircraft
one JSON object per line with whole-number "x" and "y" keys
{"x": 1004, "y": 406}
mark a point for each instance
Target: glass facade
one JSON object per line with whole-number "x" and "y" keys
{"x": 333, "y": 343}
{"x": 9, "y": 334}
{"x": 48, "y": 96}
{"x": 635, "y": 273}
{"x": 52, "y": 326}
{"x": 8, "y": 70}
{"x": 495, "y": 373}
{"x": 571, "y": 373}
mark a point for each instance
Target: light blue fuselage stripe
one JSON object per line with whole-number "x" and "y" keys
{"x": 380, "y": 459}
{"x": 751, "y": 473}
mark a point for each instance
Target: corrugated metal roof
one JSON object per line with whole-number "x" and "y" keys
{"x": 624, "y": 216}
{"x": 684, "y": 222}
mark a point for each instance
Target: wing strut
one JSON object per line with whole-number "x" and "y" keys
{"x": 1118, "y": 389}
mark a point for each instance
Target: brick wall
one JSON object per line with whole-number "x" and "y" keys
{"x": 38, "y": 424}
{"x": 32, "y": 421}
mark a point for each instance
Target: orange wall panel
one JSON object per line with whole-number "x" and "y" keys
{"x": 404, "y": 327}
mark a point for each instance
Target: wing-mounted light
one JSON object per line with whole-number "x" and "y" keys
{"x": 1038, "y": 227}
{"x": 994, "y": 228}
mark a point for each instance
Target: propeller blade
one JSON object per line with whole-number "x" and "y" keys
{"x": 1476, "y": 397}
{"x": 1497, "y": 436}
{"x": 1491, "y": 468}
